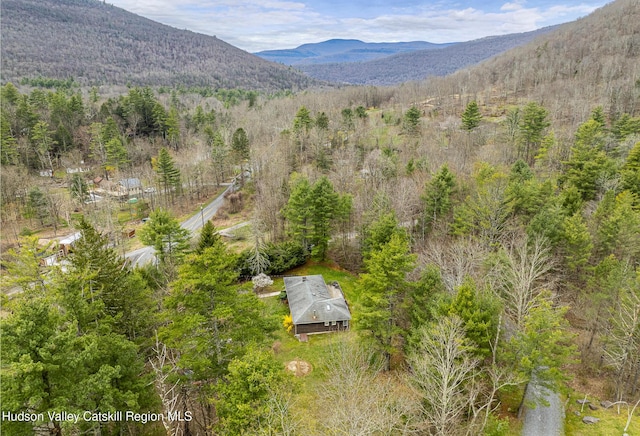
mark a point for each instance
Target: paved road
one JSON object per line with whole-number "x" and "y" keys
{"x": 547, "y": 418}
{"x": 146, "y": 255}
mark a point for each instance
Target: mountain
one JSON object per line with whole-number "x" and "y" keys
{"x": 95, "y": 43}
{"x": 592, "y": 61}
{"x": 343, "y": 50}
{"x": 420, "y": 64}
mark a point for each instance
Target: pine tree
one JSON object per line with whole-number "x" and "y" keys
{"x": 533, "y": 123}
{"x": 168, "y": 174}
{"x": 297, "y": 211}
{"x": 577, "y": 244}
{"x": 630, "y": 172}
{"x": 116, "y": 153}
{"x": 478, "y": 318}
{"x": 8, "y": 143}
{"x": 208, "y": 237}
{"x": 471, "y": 117}
{"x": 172, "y": 125}
{"x": 43, "y": 144}
{"x": 437, "y": 196}
{"x": 302, "y": 121}
{"x": 588, "y": 160}
{"x": 78, "y": 188}
{"x": 37, "y": 205}
{"x": 411, "y": 121}
{"x": 240, "y": 144}
{"x": 167, "y": 237}
{"x": 382, "y": 288}
{"x": 325, "y": 208}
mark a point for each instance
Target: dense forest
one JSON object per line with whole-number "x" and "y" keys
{"x": 97, "y": 43}
{"x": 485, "y": 229}
{"x": 417, "y": 64}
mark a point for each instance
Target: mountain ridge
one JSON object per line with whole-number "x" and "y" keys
{"x": 421, "y": 64}
{"x": 95, "y": 42}
{"x": 343, "y": 50}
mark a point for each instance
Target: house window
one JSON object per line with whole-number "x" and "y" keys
{"x": 345, "y": 323}
{"x": 333, "y": 322}
{"x": 326, "y": 323}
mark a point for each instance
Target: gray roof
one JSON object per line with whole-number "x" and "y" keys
{"x": 311, "y": 301}
{"x": 131, "y": 183}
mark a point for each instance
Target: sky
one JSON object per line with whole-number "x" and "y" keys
{"x": 255, "y": 25}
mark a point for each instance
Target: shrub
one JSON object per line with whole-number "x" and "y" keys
{"x": 287, "y": 322}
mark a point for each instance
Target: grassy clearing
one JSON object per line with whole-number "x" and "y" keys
{"x": 611, "y": 422}
{"x": 287, "y": 348}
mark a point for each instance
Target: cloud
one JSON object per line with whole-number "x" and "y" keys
{"x": 255, "y": 25}
{"x": 515, "y": 6}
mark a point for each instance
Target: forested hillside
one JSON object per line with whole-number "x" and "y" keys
{"x": 484, "y": 228}
{"x": 343, "y": 50}
{"x": 419, "y": 64}
{"x": 97, "y": 43}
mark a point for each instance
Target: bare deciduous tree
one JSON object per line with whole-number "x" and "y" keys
{"x": 443, "y": 374}
{"x": 521, "y": 272}
{"x": 359, "y": 399}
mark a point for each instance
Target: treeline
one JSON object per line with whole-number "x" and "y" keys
{"x": 100, "y": 44}
{"x": 477, "y": 224}
{"x": 138, "y": 135}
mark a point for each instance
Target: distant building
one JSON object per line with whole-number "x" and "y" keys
{"x": 315, "y": 306}
{"x": 130, "y": 187}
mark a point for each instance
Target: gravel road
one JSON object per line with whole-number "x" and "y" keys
{"x": 547, "y": 418}
{"x": 146, "y": 255}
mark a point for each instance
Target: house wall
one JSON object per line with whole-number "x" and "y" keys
{"x": 319, "y": 327}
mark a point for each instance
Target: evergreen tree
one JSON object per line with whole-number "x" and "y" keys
{"x": 243, "y": 399}
{"x": 209, "y": 322}
{"x": 312, "y": 211}
{"x": 477, "y": 315}
{"x": 471, "y": 117}
{"x": 172, "y": 126}
{"x": 420, "y": 302}
{"x": 116, "y": 153}
{"x": 325, "y": 208}
{"x": 630, "y": 172}
{"x": 208, "y": 237}
{"x": 533, "y": 123}
{"x": 168, "y": 173}
{"x": 43, "y": 144}
{"x": 577, "y": 244}
{"x": 78, "y": 188}
{"x": 411, "y": 120}
{"x": 37, "y": 205}
{"x": 588, "y": 160}
{"x": 219, "y": 153}
{"x": 10, "y": 94}
{"x": 166, "y": 236}
{"x": 347, "y": 118}
{"x": 297, "y": 211}
{"x": 598, "y": 116}
{"x": 543, "y": 347}
{"x": 379, "y": 232}
{"x": 382, "y": 288}
{"x": 8, "y": 143}
{"x": 240, "y": 144}
{"x": 322, "y": 121}
{"x": 302, "y": 122}
{"x": 99, "y": 273}
{"x": 437, "y": 196}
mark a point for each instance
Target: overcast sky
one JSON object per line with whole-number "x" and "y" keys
{"x": 255, "y": 25}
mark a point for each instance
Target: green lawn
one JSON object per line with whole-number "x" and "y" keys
{"x": 287, "y": 348}
{"x": 611, "y": 423}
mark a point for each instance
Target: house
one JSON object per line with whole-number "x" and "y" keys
{"x": 315, "y": 306}
{"x": 67, "y": 243}
{"x": 130, "y": 187}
